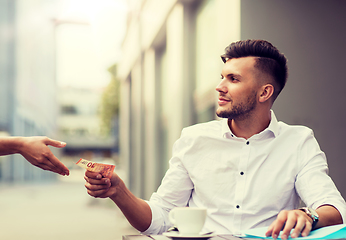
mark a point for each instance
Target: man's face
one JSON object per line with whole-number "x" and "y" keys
{"x": 237, "y": 89}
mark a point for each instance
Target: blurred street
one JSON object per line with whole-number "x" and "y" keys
{"x": 61, "y": 210}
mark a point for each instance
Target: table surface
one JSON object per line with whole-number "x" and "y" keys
{"x": 162, "y": 237}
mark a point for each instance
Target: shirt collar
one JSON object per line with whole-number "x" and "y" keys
{"x": 273, "y": 127}
{"x": 225, "y": 130}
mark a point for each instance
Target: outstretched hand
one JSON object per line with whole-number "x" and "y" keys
{"x": 37, "y": 152}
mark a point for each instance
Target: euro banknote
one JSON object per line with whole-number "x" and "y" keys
{"x": 105, "y": 170}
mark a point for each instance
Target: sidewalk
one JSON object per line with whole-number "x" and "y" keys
{"x": 61, "y": 210}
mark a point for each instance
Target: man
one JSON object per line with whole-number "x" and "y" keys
{"x": 248, "y": 170}
{"x": 36, "y": 151}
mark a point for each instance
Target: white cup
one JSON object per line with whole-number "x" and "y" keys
{"x": 188, "y": 220}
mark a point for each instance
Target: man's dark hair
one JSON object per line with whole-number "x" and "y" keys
{"x": 269, "y": 59}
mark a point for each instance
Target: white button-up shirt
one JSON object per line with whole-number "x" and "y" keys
{"x": 243, "y": 183}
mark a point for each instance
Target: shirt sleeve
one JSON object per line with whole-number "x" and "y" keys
{"x": 313, "y": 184}
{"x": 174, "y": 191}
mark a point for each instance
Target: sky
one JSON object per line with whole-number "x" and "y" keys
{"x": 88, "y": 40}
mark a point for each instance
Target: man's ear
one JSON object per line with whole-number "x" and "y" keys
{"x": 266, "y": 93}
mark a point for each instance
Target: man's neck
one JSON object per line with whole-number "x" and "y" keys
{"x": 247, "y": 127}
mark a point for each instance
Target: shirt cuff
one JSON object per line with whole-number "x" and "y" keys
{"x": 158, "y": 220}
{"x": 338, "y": 206}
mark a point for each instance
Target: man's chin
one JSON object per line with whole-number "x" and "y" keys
{"x": 222, "y": 114}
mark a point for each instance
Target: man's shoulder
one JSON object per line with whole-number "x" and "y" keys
{"x": 207, "y": 128}
{"x": 297, "y": 130}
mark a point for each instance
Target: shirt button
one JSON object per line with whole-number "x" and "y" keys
{"x": 241, "y": 173}
{"x": 247, "y": 143}
{"x": 237, "y": 206}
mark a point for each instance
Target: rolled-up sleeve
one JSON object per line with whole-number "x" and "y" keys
{"x": 174, "y": 191}
{"x": 159, "y": 221}
{"x": 313, "y": 184}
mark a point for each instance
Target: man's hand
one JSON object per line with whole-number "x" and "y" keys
{"x": 136, "y": 210}
{"x": 100, "y": 187}
{"x": 286, "y": 221}
{"x": 37, "y": 152}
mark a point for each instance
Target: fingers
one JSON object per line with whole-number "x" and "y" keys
{"x": 95, "y": 181}
{"x": 46, "y": 165}
{"x": 102, "y": 181}
{"x": 54, "y": 143}
{"x": 54, "y": 163}
{"x": 292, "y": 223}
{"x": 96, "y": 186}
{"x": 95, "y": 175}
{"x": 270, "y": 230}
{"x": 302, "y": 227}
{"x": 98, "y": 193}
{"x": 279, "y": 224}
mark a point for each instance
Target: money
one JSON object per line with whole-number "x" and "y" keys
{"x": 105, "y": 170}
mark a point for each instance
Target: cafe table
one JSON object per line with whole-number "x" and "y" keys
{"x": 217, "y": 237}
{"x": 162, "y": 237}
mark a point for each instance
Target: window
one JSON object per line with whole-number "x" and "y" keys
{"x": 68, "y": 110}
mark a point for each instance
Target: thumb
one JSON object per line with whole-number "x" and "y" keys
{"x": 55, "y": 143}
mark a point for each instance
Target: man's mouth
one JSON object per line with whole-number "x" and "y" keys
{"x": 223, "y": 101}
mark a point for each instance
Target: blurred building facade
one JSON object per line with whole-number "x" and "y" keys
{"x": 27, "y": 78}
{"x": 171, "y": 64}
{"x": 169, "y": 71}
{"x": 79, "y": 125}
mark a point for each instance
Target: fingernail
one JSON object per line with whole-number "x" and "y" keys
{"x": 275, "y": 236}
{"x": 99, "y": 176}
{"x": 284, "y": 236}
{"x": 62, "y": 143}
{"x": 293, "y": 235}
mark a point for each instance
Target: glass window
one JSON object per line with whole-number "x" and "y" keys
{"x": 68, "y": 110}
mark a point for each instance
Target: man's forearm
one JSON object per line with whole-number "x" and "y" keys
{"x": 136, "y": 210}
{"x": 328, "y": 215}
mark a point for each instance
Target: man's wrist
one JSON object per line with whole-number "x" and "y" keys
{"x": 312, "y": 214}
{"x": 121, "y": 192}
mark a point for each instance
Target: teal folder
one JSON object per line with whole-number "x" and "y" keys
{"x": 330, "y": 232}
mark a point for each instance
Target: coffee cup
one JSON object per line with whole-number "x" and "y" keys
{"x": 188, "y": 220}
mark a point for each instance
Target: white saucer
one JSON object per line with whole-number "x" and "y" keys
{"x": 177, "y": 235}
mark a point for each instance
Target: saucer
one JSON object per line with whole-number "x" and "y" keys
{"x": 179, "y": 236}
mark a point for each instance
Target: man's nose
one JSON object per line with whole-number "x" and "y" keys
{"x": 221, "y": 87}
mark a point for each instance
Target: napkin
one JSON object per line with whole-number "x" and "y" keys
{"x": 330, "y": 232}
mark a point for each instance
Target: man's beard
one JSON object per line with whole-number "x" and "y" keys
{"x": 239, "y": 111}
